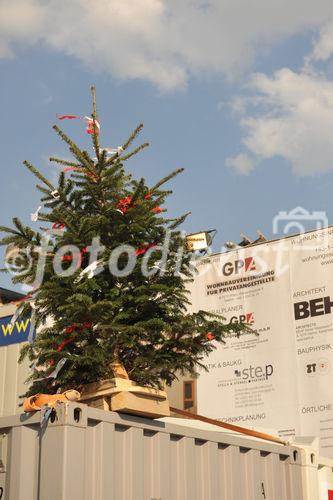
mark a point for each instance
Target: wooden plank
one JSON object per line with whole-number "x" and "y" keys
{"x": 126, "y": 396}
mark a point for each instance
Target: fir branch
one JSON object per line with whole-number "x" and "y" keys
{"x": 43, "y": 217}
{"x": 46, "y": 199}
{"x": 8, "y": 240}
{"x": 73, "y": 147}
{"x": 166, "y": 179}
{"x": 134, "y": 152}
{"x": 102, "y": 160}
{"x": 138, "y": 191}
{"x": 43, "y": 190}
{"x": 61, "y": 182}
{"x": 19, "y": 225}
{"x": 95, "y": 135}
{"x": 110, "y": 172}
{"x": 132, "y": 137}
{"x": 113, "y": 158}
{"x": 89, "y": 160}
{"x": 4, "y": 229}
{"x": 38, "y": 174}
{"x": 163, "y": 193}
{"x": 66, "y": 163}
{"x": 78, "y": 175}
{"x": 179, "y": 220}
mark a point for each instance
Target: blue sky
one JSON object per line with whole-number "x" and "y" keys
{"x": 240, "y": 95}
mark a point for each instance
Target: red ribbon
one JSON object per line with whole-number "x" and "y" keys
{"x": 60, "y": 348}
{"x": 89, "y": 122}
{"x": 141, "y": 250}
{"x": 90, "y": 127}
{"x": 64, "y": 343}
{"x": 68, "y": 117}
{"x": 157, "y": 210}
{"x": 58, "y": 225}
{"x": 80, "y": 169}
{"x": 77, "y": 326}
{"x": 69, "y": 169}
{"x": 126, "y": 203}
{"x": 70, "y": 329}
{"x": 69, "y": 258}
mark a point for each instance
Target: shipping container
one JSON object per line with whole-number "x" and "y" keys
{"x": 88, "y": 454}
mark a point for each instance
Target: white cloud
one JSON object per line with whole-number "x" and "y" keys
{"x": 162, "y": 41}
{"x": 242, "y": 163}
{"x": 323, "y": 48}
{"x": 293, "y": 120}
{"x": 21, "y": 22}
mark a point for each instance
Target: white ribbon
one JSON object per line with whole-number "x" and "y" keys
{"x": 45, "y": 414}
{"x": 34, "y": 216}
{"x": 32, "y": 327}
{"x": 16, "y": 315}
{"x": 113, "y": 151}
{"x": 91, "y": 270}
{"x": 55, "y": 372}
{"x": 55, "y": 194}
{"x": 90, "y": 121}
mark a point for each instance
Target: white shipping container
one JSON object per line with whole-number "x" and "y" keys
{"x": 89, "y": 454}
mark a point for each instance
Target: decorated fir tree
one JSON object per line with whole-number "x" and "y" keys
{"x": 109, "y": 272}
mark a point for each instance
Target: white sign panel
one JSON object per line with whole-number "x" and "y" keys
{"x": 282, "y": 377}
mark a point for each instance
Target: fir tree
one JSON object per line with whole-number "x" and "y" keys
{"x": 101, "y": 323}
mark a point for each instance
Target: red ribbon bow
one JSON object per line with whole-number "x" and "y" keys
{"x": 124, "y": 204}
{"x": 89, "y": 122}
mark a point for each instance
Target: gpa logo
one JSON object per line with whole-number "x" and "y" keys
{"x": 314, "y": 307}
{"x": 235, "y": 267}
{"x": 247, "y": 318}
{"x": 253, "y": 373}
